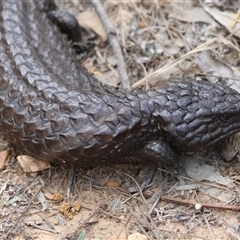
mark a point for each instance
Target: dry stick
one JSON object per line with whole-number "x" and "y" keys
{"x": 206, "y": 219}
{"x": 23, "y": 213}
{"x": 208, "y": 205}
{"x": 112, "y": 36}
{"x": 139, "y": 188}
{"x": 157, "y": 195}
{"x": 212, "y": 75}
{"x": 143, "y": 227}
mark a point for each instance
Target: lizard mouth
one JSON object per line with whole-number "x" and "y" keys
{"x": 223, "y": 136}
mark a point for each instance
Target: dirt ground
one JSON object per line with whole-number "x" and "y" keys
{"x": 161, "y": 40}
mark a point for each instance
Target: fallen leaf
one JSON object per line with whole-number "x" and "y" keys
{"x": 108, "y": 78}
{"x": 90, "y": 20}
{"x": 191, "y": 15}
{"x": 199, "y": 170}
{"x": 42, "y": 200}
{"x": 55, "y": 196}
{"x": 4, "y": 158}
{"x": 216, "y": 68}
{"x": 225, "y": 18}
{"x": 77, "y": 206}
{"x": 13, "y": 200}
{"x": 211, "y": 65}
{"x": 3, "y": 187}
{"x": 32, "y": 165}
{"x": 48, "y": 195}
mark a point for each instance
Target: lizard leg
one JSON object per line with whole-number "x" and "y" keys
{"x": 159, "y": 152}
{"x": 67, "y": 24}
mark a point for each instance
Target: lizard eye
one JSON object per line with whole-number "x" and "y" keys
{"x": 227, "y": 118}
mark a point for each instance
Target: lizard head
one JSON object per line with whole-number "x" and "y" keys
{"x": 196, "y": 115}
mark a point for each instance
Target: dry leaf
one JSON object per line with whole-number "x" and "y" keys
{"x": 4, "y": 158}
{"x": 48, "y": 195}
{"x": 77, "y": 206}
{"x": 55, "y": 196}
{"x": 225, "y": 19}
{"x": 42, "y": 200}
{"x": 191, "y": 15}
{"x": 108, "y": 78}
{"x": 90, "y": 20}
{"x": 200, "y": 171}
{"x": 32, "y": 165}
{"x": 211, "y": 65}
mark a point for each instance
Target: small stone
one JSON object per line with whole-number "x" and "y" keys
{"x": 137, "y": 236}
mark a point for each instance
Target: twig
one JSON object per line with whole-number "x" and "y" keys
{"x": 139, "y": 188}
{"x": 43, "y": 228}
{"x": 158, "y": 194}
{"x": 112, "y": 36}
{"x": 212, "y": 75}
{"x": 141, "y": 226}
{"x": 206, "y": 219}
{"x": 71, "y": 175}
{"x": 23, "y": 213}
{"x": 207, "y": 205}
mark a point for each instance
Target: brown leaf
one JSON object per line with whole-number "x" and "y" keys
{"x": 4, "y": 158}
{"x": 90, "y": 20}
{"x": 31, "y": 165}
{"x": 77, "y": 206}
{"x": 48, "y": 195}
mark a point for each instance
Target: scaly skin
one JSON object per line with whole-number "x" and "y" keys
{"x": 51, "y": 108}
